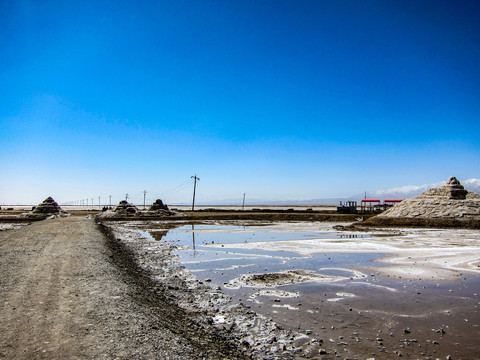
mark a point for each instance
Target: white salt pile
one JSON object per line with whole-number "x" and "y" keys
{"x": 47, "y": 208}
{"x": 449, "y": 201}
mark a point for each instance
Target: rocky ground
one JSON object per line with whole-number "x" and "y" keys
{"x": 70, "y": 291}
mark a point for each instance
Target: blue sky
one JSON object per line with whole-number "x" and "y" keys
{"x": 278, "y": 99}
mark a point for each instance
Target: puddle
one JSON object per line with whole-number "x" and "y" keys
{"x": 334, "y": 284}
{"x": 210, "y": 252}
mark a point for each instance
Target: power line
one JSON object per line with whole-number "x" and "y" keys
{"x": 178, "y": 187}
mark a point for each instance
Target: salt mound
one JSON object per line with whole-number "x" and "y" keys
{"x": 125, "y": 209}
{"x": 449, "y": 201}
{"x": 158, "y": 208}
{"x": 158, "y": 205}
{"x": 47, "y": 208}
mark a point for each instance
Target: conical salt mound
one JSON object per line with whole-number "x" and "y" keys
{"x": 47, "y": 208}
{"x": 158, "y": 205}
{"x": 451, "y": 190}
{"x": 455, "y": 189}
{"x": 158, "y": 208}
{"x": 445, "y": 207}
{"x": 449, "y": 201}
{"x": 125, "y": 208}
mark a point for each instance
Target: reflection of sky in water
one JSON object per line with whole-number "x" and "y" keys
{"x": 224, "y": 263}
{"x": 229, "y": 234}
{"x": 358, "y": 301}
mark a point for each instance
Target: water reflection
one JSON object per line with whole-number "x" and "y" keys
{"x": 340, "y": 297}
{"x": 209, "y": 251}
{"x": 193, "y": 238}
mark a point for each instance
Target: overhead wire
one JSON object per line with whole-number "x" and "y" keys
{"x": 136, "y": 196}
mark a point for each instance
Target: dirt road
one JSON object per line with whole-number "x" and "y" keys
{"x": 67, "y": 291}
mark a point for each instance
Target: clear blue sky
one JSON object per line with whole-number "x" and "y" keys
{"x": 277, "y": 99}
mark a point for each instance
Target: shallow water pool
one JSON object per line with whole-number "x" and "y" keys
{"x": 330, "y": 284}
{"x": 207, "y": 251}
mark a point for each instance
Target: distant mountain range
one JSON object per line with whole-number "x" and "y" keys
{"x": 403, "y": 192}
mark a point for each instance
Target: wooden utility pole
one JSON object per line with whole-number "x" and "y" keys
{"x": 144, "y": 194}
{"x": 243, "y": 205}
{"x": 194, "y": 187}
{"x": 110, "y": 203}
{"x": 126, "y": 197}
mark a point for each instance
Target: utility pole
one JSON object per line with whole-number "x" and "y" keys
{"x": 194, "y": 187}
{"x": 99, "y": 202}
{"x": 110, "y": 203}
{"x": 126, "y": 197}
{"x": 92, "y": 203}
{"x": 243, "y": 205}
{"x": 144, "y": 194}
